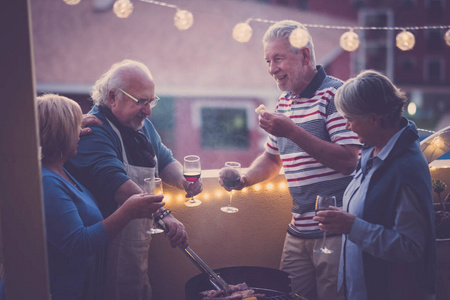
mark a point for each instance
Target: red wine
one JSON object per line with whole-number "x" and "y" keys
{"x": 191, "y": 176}
{"x": 231, "y": 183}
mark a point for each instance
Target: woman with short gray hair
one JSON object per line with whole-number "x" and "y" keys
{"x": 388, "y": 248}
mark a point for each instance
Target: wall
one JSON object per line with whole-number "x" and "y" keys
{"x": 252, "y": 237}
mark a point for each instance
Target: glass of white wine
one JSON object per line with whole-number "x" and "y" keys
{"x": 231, "y": 178}
{"x": 323, "y": 203}
{"x": 153, "y": 186}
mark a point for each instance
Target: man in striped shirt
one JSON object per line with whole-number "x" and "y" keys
{"x": 309, "y": 139}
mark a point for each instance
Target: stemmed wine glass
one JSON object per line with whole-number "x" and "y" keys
{"x": 191, "y": 171}
{"x": 153, "y": 186}
{"x": 231, "y": 178}
{"x": 324, "y": 203}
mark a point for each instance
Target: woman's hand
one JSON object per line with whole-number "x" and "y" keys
{"x": 142, "y": 206}
{"x": 335, "y": 220}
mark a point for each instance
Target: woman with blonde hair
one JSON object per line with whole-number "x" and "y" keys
{"x": 75, "y": 229}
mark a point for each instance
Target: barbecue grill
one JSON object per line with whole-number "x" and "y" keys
{"x": 271, "y": 282}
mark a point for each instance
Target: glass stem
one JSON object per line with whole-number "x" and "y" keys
{"x": 323, "y": 240}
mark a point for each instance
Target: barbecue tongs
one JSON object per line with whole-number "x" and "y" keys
{"x": 216, "y": 280}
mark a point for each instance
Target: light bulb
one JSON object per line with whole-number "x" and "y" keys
{"x": 242, "y": 32}
{"x": 349, "y": 41}
{"x": 123, "y": 8}
{"x": 412, "y": 108}
{"x": 72, "y": 2}
{"x": 299, "y": 38}
{"x": 447, "y": 37}
{"x": 438, "y": 143}
{"x": 405, "y": 40}
{"x": 183, "y": 19}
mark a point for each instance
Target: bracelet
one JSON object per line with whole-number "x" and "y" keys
{"x": 162, "y": 214}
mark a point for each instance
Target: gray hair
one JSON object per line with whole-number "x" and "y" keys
{"x": 283, "y": 29}
{"x": 117, "y": 77}
{"x": 371, "y": 92}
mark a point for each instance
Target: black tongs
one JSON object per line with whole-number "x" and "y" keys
{"x": 216, "y": 280}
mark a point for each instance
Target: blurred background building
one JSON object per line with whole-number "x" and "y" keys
{"x": 210, "y": 84}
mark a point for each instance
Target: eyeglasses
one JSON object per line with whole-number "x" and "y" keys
{"x": 143, "y": 102}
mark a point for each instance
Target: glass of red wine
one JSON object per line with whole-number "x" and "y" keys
{"x": 153, "y": 186}
{"x": 231, "y": 178}
{"x": 191, "y": 171}
{"x": 324, "y": 203}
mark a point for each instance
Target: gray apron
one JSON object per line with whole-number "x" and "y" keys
{"x": 127, "y": 261}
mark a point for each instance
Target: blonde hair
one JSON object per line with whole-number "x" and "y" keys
{"x": 59, "y": 120}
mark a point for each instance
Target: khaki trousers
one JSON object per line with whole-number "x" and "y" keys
{"x": 313, "y": 275}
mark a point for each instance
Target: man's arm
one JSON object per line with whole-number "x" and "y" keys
{"x": 126, "y": 190}
{"x": 342, "y": 158}
{"x": 264, "y": 167}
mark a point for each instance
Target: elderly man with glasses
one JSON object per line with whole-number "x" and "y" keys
{"x": 112, "y": 162}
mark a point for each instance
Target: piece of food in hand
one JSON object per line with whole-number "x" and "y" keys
{"x": 260, "y": 109}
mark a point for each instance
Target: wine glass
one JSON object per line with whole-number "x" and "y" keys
{"x": 324, "y": 203}
{"x": 231, "y": 178}
{"x": 153, "y": 186}
{"x": 191, "y": 171}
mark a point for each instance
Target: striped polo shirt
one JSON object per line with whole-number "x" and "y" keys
{"x": 314, "y": 111}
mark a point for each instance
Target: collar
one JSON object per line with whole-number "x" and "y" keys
{"x": 383, "y": 154}
{"x": 313, "y": 86}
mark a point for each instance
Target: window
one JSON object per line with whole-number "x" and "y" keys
{"x": 434, "y": 70}
{"x": 434, "y": 39}
{"x": 224, "y": 128}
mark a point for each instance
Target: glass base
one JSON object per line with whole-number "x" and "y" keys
{"x": 155, "y": 231}
{"x": 229, "y": 209}
{"x": 192, "y": 202}
{"x": 324, "y": 250}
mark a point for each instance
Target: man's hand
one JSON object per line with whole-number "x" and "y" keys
{"x": 193, "y": 188}
{"x": 177, "y": 233}
{"x": 276, "y": 124}
{"x": 242, "y": 182}
{"x": 335, "y": 220}
{"x": 87, "y": 120}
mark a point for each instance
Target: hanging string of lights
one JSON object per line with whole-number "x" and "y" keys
{"x": 242, "y": 32}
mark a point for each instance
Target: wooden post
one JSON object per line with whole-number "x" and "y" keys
{"x": 22, "y": 223}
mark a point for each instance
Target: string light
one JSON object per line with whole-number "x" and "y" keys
{"x": 349, "y": 41}
{"x": 299, "y": 38}
{"x": 183, "y": 19}
{"x": 438, "y": 143}
{"x": 405, "y": 40}
{"x": 123, "y": 8}
{"x": 72, "y": 2}
{"x": 447, "y": 37}
{"x": 242, "y": 32}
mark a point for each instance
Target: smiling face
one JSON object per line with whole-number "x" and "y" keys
{"x": 126, "y": 110}
{"x": 292, "y": 72}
